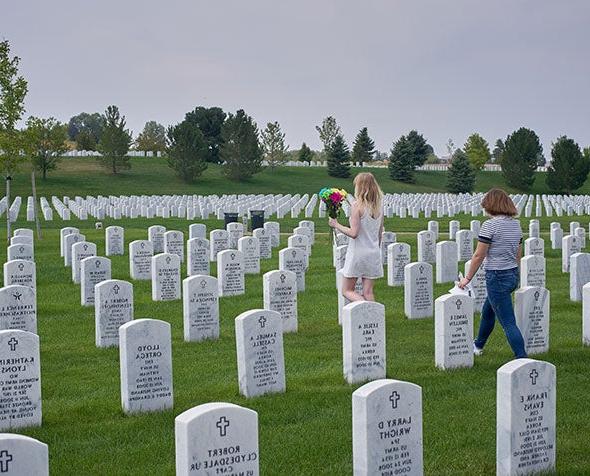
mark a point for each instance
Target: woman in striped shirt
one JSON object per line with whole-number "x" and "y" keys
{"x": 499, "y": 248}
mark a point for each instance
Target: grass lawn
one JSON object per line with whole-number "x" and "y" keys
{"x": 307, "y": 430}
{"x": 149, "y": 176}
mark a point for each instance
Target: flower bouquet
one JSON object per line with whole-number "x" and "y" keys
{"x": 333, "y": 198}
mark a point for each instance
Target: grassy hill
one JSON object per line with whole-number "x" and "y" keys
{"x": 84, "y": 176}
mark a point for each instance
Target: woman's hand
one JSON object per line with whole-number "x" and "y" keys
{"x": 464, "y": 282}
{"x": 332, "y": 222}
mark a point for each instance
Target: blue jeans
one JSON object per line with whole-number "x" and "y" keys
{"x": 500, "y": 285}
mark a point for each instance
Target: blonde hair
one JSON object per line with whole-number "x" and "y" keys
{"x": 498, "y": 202}
{"x": 368, "y": 194}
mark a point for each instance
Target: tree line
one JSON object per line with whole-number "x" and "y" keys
{"x": 210, "y": 135}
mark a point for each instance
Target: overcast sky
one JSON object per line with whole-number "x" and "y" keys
{"x": 446, "y": 68}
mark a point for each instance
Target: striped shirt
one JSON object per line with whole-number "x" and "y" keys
{"x": 504, "y": 236}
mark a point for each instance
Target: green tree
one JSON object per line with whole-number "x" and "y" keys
{"x": 115, "y": 141}
{"x": 240, "y": 151}
{"x": 13, "y": 89}
{"x": 328, "y": 132}
{"x": 86, "y": 130}
{"x": 420, "y": 148}
{"x": 498, "y": 151}
{"x": 461, "y": 174}
{"x": 187, "y": 151}
{"x": 47, "y": 143}
{"x": 209, "y": 120}
{"x": 363, "y": 149}
{"x": 152, "y": 138}
{"x": 477, "y": 150}
{"x": 432, "y": 159}
{"x": 569, "y": 166}
{"x": 339, "y": 158}
{"x": 305, "y": 153}
{"x": 402, "y": 161}
{"x": 273, "y": 144}
{"x": 519, "y": 159}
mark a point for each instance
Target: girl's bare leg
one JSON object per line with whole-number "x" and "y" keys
{"x": 368, "y": 289}
{"x": 348, "y": 290}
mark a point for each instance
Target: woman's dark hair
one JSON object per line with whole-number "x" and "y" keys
{"x": 497, "y": 202}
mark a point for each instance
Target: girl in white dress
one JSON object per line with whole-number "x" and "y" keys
{"x": 363, "y": 255}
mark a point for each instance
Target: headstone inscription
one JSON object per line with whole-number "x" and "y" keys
{"x": 447, "y": 261}
{"x": 293, "y": 259}
{"x": 140, "y": 259}
{"x": 398, "y": 256}
{"x": 280, "y": 295}
{"x": 259, "y": 346}
{"x": 230, "y": 273}
{"x": 217, "y": 438}
{"x": 453, "y": 331}
{"x": 174, "y": 243}
{"x": 146, "y": 365}
{"x": 114, "y": 240}
{"x": 363, "y": 341}
{"x": 113, "y": 307}
{"x": 156, "y": 236}
{"x": 525, "y": 418}
{"x": 387, "y": 429}
{"x": 20, "y": 271}
{"x": 80, "y": 250}
{"x": 418, "y": 291}
{"x": 200, "y": 297}
{"x": 93, "y": 270}
{"x": 165, "y": 277}
{"x": 531, "y": 307}
{"x": 20, "y": 383}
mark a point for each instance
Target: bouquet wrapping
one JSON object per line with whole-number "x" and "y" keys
{"x": 333, "y": 198}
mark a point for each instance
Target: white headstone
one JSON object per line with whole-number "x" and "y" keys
{"x": 579, "y": 274}
{"x": 586, "y": 314}
{"x": 20, "y": 251}
{"x": 478, "y": 286}
{"x": 453, "y": 331}
{"x": 426, "y": 247}
{"x": 264, "y": 241}
{"x": 140, "y": 259}
{"x": 273, "y": 228}
{"x": 197, "y": 230}
{"x": 20, "y": 271}
{"x": 387, "y": 429}
{"x": 68, "y": 230}
{"x": 250, "y": 248}
{"x": 230, "y": 273}
{"x": 200, "y": 298}
{"x": 18, "y": 308}
{"x": 387, "y": 238}
{"x": 165, "y": 277}
{"x": 174, "y": 243}
{"x": 532, "y": 271}
{"x": 217, "y": 438}
{"x": 113, "y": 307}
{"x": 80, "y": 250}
{"x": 280, "y": 295}
{"x": 115, "y": 240}
{"x": 293, "y": 259}
{"x": 197, "y": 256}
{"x": 69, "y": 241}
{"x": 534, "y": 246}
{"x": 418, "y": 291}
{"x": 156, "y": 236}
{"x": 531, "y": 307}
{"x": 363, "y": 341}
{"x": 398, "y": 256}
{"x": 447, "y": 261}
{"x": 219, "y": 241}
{"x": 23, "y": 456}
{"x": 146, "y": 366}
{"x": 93, "y": 270}
{"x": 235, "y": 231}
{"x": 259, "y": 345}
{"x": 525, "y": 418}
{"x": 464, "y": 240}
{"x": 569, "y": 245}
{"x": 20, "y": 383}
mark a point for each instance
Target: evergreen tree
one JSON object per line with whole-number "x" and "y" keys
{"x": 46, "y": 140}
{"x": 115, "y": 141}
{"x": 569, "y": 167}
{"x": 498, "y": 151}
{"x": 305, "y": 153}
{"x": 209, "y": 120}
{"x": 328, "y": 132}
{"x": 273, "y": 144}
{"x": 402, "y": 161}
{"x": 152, "y": 138}
{"x": 519, "y": 159}
{"x": 187, "y": 150}
{"x": 339, "y": 158}
{"x": 461, "y": 174}
{"x": 86, "y": 130}
{"x": 477, "y": 150}
{"x": 240, "y": 150}
{"x": 363, "y": 149}
{"x": 420, "y": 149}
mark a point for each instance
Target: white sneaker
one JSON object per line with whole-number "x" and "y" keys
{"x": 477, "y": 350}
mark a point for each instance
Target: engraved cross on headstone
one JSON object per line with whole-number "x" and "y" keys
{"x": 394, "y": 398}
{"x": 534, "y": 375}
{"x": 12, "y": 343}
{"x": 262, "y": 321}
{"x": 5, "y": 458}
{"x": 222, "y": 425}
{"x": 458, "y": 303}
{"x": 116, "y": 288}
{"x": 282, "y": 278}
